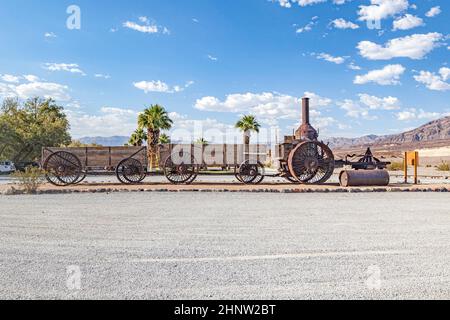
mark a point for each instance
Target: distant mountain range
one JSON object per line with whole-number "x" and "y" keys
{"x": 437, "y": 130}
{"x": 115, "y": 141}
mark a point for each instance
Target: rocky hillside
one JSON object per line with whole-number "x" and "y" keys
{"x": 437, "y": 130}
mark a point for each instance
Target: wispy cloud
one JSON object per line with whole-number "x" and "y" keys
{"x": 160, "y": 86}
{"x": 68, "y": 67}
{"x": 146, "y": 26}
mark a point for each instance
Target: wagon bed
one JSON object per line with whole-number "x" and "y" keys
{"x": 66, "y": 166}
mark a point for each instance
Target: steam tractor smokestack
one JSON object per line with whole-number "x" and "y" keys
{"x": 305, "y": 110}
{"x": 306, "y": 131}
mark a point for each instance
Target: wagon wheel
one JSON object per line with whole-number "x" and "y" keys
{"x": 311, "y": 162}
{"x": 62, "y": 168}
{"x": 130, "y": 171}
{"x": 291, "y": 179}
{"x": 249, "y": 173}
{"x": 179, "y": 172}
{"x": 81, "y": 178}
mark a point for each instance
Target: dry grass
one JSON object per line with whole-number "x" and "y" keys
{"x": 395, "y": 166}
{"x": 444, "y": 166}
{"x": 31, "y": 179}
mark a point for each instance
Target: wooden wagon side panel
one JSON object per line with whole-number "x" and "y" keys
{"x": 120, "y": 153}
{"x": 79, "y": 152}
{"x": 214, "y": 155}
{"x": 98, "y": 157}
{"x": 164, "y": 152}
{"x": 258, "y": 152}
{"x": 101, "y": 157}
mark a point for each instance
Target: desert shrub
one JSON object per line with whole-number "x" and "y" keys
{"x": 31, "y": 179}
{"x": 444, "y": 166}
{"x": 396, "y": 166}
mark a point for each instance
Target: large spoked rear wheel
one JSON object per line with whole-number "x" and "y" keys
{"x": 311, "y": 162}
{"x": 180, "y": 170}
{"x": 62, "y": 168}
{"x": 250, "y": 173}
{"x": 130, "y": 171}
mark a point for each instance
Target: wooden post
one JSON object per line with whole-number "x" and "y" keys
{"x": 416, "y": 167}
{"x": 405, "y": 167}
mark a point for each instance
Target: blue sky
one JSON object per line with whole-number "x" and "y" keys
{"x": 210, "y": 61}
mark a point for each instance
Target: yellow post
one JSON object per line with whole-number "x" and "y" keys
{"x": 412, "y": 159}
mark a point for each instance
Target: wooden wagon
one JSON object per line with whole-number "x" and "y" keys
{"x": 182, "y": 163}
{"x": 67, "y": 166}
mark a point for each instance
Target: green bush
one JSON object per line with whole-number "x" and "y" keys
{"x": 396, "y": 166}
{"x": 31, "y": 179}
{"x": 444, "y": 166}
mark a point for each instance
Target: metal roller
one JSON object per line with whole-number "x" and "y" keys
{"x": 360, "y": 178}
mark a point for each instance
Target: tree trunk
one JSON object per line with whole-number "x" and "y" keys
{"x": 246, "y": 144}
{"x": 152, "y": 146}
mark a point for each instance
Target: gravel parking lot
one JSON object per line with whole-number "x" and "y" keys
{"x": 235, "y": 246}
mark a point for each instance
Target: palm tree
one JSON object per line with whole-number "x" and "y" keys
{"x": 154, "y": 119}
{"x": 202, "y": 141}
{"x": 164, "y": 139}
{"x": 247, "y": 124}
{"x": 137, "y": 138}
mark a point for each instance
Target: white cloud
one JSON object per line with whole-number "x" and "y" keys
{"x": 317, "y": 101}
{"x": 415, "y": 46}
{"x": 35, "y": 89}
{"x": 445, "y": 73}
{"x": 366, "y": 103}
{"x": 353, "y": 66}
{"x": 43, "y": 89}
{"x": 376, "y": 103}
{"x": 414, "y": 114}
{"x": 433, "y": 12}
{"x": 146, "y": 27}
{"x": 433, "y": 81}
{"x": 31, "y": 78}
{"x": 355, "y": 110}
{"x": 109, "y": 122}
{"x": 212, "y": 58}
{"x": 343, "y": 24}
{"x": 103, "y": 76}
{"x": 407, "y": 22}
{"x": 389, "y": 75}
{"x": 330, "y": 58}
{"x": 141, "y": 28}
{"x": 159, "y": 86}
{"x": 69, "y": 67}
{"x": 269, "y": 107}
{"x": 381, "y": 9}
{"x": 308, "y": 27}
{"x": 50, "y": 35}
{"x": 302, "y": 3}
{"x": 339, "y": 2}
{"x": 10, "y": 78}
{"x": 7, "y": 90}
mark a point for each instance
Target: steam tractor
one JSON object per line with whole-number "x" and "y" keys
{"x": 305, "y": 159}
